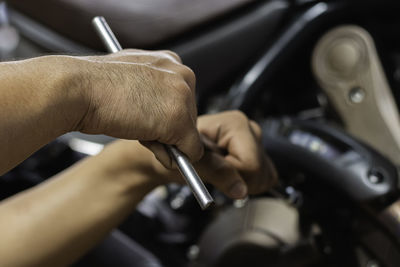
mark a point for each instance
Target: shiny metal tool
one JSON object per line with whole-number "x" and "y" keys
{"x": 185, "y": 167}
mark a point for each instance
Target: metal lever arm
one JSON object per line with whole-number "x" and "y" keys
{"x": 347, "y": 67}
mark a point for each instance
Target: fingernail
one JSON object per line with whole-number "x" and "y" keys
{"x": 238, "y": 190}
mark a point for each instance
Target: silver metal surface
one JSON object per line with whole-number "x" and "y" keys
{"x": 191, "y": 177}
{"x": 106, "y": 34}
{"x": 356, "y": 95}
{"x": 185, "y": 167}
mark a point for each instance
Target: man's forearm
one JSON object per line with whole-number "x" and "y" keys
{"x": 35, "y": 96}
{"x": 56, "y": 222}
{"x": 45, "y": 97}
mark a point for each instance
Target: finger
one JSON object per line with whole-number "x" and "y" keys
{"x": 241, "y": 140}
{"x": 261, "y": 181}
{"x": 214, "y": 169}
{"x": 160, "y": 153}
{"x": 236, "y": 135}
{"x": 173, "y": 55}
{"x": 191, "y": 145}
{"x": 189, "y": 77}
{"x": 269, "y": 173}
{"x": 256, "y": 130}
{"x": 243, "y": 150}
{"x": 183, "y": 71}
{"x": 209, "y": 145}
{"x": 246, "y": 154}
{"x": 259, "y": 173}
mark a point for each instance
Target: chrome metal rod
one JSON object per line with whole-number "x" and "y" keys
{"x": 105, "y": 33}
{"x": 191, "y": 177}
{"x": 185, "y": 167}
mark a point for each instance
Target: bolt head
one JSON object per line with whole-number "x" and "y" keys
{"x": 356, "y": 95}
{"x": 375, "y": 177}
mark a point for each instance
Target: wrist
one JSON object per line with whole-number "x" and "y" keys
{"x": 62, "y": 76}
{"x": 130, "y": 165}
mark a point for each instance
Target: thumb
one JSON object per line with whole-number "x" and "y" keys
{"x": 160, "y": 152}
{"x": 214, "y": 169}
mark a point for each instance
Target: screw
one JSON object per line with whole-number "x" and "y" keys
{"x": 356, "y": 95}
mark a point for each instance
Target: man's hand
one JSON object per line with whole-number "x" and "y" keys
{"x": 132, "y": 94}
{"x": 141, "y": 95}
{"x": 234, "y": 161}
{"x": 241, "y": 159}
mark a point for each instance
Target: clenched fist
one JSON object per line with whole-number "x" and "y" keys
{"x": 141, "y": 95}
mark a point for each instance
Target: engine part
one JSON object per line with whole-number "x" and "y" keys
{"x": 265, "y": 230}
{"x": 332, "y": 157}
{"x": 348, "y": 69}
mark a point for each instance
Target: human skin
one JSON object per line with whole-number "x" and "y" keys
{"x": 132, "y": 94}
{"x": 58, "y": 221}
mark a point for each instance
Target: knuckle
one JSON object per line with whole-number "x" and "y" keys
{"x": 199, "y": 153}
{"x": 255, "y": 125}
{"x": 188, "y": 75}
{"x": 187, "y": 72}
{"x": 239, "y": 115}
{"x": 198, "y": 156}
{"x": 184, "y": 93}
{"x": 160, "y": 61}
{"x": 256, "y": 129}
{"x": 177, "y": 116}
{"x": 170, "y": 134}
{"x": 258, "y": 186}
{"x": 171, "y": 54}
{"x": 222, "y": 168}
{"x": 252, "y": 166}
